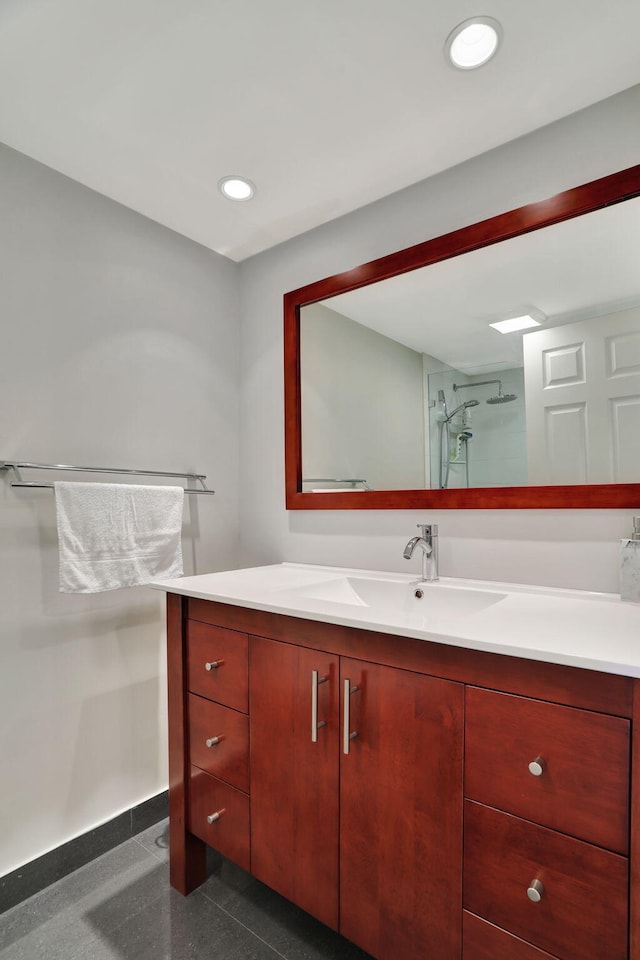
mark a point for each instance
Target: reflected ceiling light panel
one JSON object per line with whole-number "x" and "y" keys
{"x": 473, "y": 42}
{"x": 516, "y": 323}
{"x": 236, "y": 188}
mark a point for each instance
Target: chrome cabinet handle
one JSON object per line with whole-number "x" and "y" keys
{"x": 215, "y": 816}
{"x": 347, "y": 734}
{"x": 213, "y": 664}
{"x": 213, "y": 741}
{"x": 537, "y": 767}
{"x": 535, "y": 891}
{"x": 315, "y": 726}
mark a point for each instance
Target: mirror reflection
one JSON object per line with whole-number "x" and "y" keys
{"x": 405, "y": 383}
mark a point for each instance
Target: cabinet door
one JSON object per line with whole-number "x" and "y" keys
{"x": 401, "y": 813}
{"x": 294, "y": 780}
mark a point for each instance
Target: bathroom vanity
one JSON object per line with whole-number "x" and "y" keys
{"x": 452, "y": 775}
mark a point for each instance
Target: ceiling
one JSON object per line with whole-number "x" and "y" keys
{"x": 325, "y": 105}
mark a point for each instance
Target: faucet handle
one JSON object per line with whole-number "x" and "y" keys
{"x": 428, "y": 530}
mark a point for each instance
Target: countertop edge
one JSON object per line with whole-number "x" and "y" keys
{"x": 455, "y": 635}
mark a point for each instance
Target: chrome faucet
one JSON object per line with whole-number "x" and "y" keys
{"x": 428, "y": 542}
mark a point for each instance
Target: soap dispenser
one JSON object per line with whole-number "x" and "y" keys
{"x": 630, "y": 565}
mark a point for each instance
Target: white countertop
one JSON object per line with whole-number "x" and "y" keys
{"x": 595, "y": 631}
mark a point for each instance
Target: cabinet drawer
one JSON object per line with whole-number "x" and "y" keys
{"x": 583, "y": 788}
{"x": 583, "y": 909}
{"x": 219, "y": 741}
{"x": 483, "y": 941}
{"x": 229, "y": 833}
{"x": 218, "y": 664}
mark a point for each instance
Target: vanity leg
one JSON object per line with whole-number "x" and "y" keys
{"x": 187, "y": 854}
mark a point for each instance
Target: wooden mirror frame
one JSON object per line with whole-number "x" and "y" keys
{"x": 534, "y": 216}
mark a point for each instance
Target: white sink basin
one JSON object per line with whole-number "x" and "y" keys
{"x": 589, "y": 630}
{"x": 399, "y": 597}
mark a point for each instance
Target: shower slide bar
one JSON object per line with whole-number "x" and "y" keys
{"x": 19, "y": 482}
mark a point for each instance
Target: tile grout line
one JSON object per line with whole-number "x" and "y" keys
{"x": 243, "y": 925}
{"x": 201, "y": 893}
{"x": 43, "y": 871}
{"x": 152, "y": 852}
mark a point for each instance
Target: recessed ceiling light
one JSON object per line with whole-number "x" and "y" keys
{"x": 473, "y": 42}
{"x": 516, "y": 323}
{"x": 236, "y": 188}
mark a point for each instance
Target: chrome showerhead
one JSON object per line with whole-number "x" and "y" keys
{"x": 502, "y": 397}
{"x": 505, "y": 398}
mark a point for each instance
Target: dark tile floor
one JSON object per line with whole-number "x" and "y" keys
{"x": 121, "y": 907}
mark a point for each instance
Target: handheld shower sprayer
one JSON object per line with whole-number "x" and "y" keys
{"x": 463, "y": 406}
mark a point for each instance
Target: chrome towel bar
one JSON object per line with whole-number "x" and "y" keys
{"x": 17, "y": 481}
{"x": 351, "y": 480}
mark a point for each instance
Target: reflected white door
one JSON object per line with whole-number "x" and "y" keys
{"x": 582, "y": 388}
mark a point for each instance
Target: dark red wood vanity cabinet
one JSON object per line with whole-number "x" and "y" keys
{"x": 295, "y": 782}
{"x": 426, "y": 801}
{"x": 356, "y": 803}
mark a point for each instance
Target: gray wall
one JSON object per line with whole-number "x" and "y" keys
{"x": 362, "y": 406}
{"x": 573, "y": 548}
{"x": 119, "y": 346}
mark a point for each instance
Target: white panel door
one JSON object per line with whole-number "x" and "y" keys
{"x": 582, "y": 389}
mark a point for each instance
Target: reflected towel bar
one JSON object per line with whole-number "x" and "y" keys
{"x": 365, "y": 485}
{"x": 19, "y": 482}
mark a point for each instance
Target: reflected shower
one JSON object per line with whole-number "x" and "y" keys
{"x": 445, "y": 435}
{"x": 500, "y": 396}
{"x": 463, "y": 406}
{"x": 465, "y": 434}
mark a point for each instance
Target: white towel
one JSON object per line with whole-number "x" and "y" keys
{"x": 113, "y": 535}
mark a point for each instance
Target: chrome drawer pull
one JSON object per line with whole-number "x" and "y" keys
{"x": 535, "y": 891}
{"x": 215, "y": 816}
{"x": 213, "y": 741}
{"x": 537, "y": 767}
{"x": 315, "y": 726}
{"x": 347, "y": 734}
{"x": 213, "y": 664}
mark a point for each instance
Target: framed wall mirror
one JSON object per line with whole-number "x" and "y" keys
{"x": 402, "y": 393}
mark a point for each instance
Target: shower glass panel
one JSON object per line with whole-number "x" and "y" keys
{"x": 477, "y": 428}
